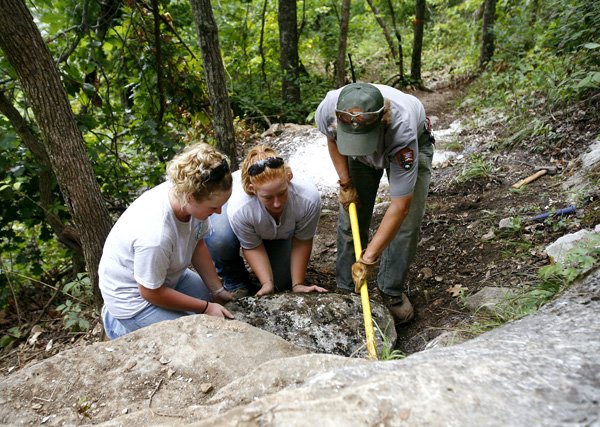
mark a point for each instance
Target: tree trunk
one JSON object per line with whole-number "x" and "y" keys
{"x": 487, "y": 33}
{"x": 24, "y": 48}
{"x": 261, "y": 44}
{"x": 400, "y": 61}
{"x": 419, "y": 24}
{"x": 340, "y": 62}
{"x": 533, "y": 15}
{"x": 386, "y": 31}
{"x": 65, "y": 233}
{"x": 214, "y": 70}
{"x": 288, "y": 55}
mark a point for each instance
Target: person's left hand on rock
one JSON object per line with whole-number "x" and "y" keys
{"x": 302, "y": 288}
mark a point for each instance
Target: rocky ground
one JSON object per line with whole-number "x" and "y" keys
{"x": 462, "y": 249}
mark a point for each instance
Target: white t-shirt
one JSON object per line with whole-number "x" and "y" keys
{"x": 147, "y": 245}
{"x": 252, "y": 224}
{"x": 407, "y": 116}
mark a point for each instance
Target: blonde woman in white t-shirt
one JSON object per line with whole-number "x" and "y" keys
{"x": 144, "y": 274}
{"x": 273, "y": 217}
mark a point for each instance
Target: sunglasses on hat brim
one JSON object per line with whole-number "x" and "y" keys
{"x": 361, "y": 118}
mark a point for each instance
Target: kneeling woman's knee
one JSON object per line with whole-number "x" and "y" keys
{"x": 112, "y": 327}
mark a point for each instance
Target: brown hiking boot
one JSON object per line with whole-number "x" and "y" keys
{"x": 400, "y": 308}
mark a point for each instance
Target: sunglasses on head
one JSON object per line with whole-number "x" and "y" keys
{"x": 217, "y": 173}
{"x": 361, "y": 118}
{"x": 259, "y": 167}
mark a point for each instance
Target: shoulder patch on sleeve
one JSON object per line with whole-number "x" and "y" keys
{"x": 406, "y": 158}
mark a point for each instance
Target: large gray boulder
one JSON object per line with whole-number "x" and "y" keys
{"x": 542, "y": 370}
{"x": 329, "y": 323}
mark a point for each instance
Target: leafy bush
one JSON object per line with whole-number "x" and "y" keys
{"x": 79, "y": 292}
{"x": 534, "y": 72}
{"x": 28, "y": 254}
{"x": 554, "y": 278}
{"x": 12, "y": 335}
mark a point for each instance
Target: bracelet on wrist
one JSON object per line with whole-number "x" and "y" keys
{"x": 205, "y": 307}
{"x": 297, "y": 284}
{"x": 218, "y": 291}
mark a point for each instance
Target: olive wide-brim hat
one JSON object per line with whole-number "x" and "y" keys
{"x": 357, "y": 139}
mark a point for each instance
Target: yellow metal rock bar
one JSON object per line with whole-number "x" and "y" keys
{"x": 364, "y": 289}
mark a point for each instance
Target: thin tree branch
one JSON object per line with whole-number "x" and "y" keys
{"x": 383, "y": 26}
{"x": 169, "y": 23}
{"x": 23, "y": 130}
{"x": 158, "y": 54}
{"x": 261, "y": 47}
{"x": 81, "y": 30}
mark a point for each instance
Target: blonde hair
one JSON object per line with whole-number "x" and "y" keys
{"x": 194, "y": 171}
{"x": 258, "y": 153}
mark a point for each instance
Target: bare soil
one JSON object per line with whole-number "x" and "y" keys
{"x": 461, "y": 250}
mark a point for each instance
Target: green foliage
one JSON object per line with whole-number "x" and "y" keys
{"x": 554, "y": 278}
{"x": 476, "y": 168}
{"x": 387, "y": 351}
{"x": 114, "y": 87}
{"x": 451, "y": 44}
{"x": 72, "y": 315}
{"x": 462, "y": 297}
{"x": 260, "y": 108}
{"x": 589, "y": 79}
{"x": 579, "y": 260}
{"x": 570, "y": 24}
{"x": 544, "y": 60}
{"x": 84, "y": 405}
{"x": 13, "y": 334}
{"x": 514, "y": 225}
{"x": 28, "y": 254}
{"x": 456, "y": 146}
{"x": 80, "y": 293}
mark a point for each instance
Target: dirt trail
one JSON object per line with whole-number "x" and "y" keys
{"x": 461, "y": 250}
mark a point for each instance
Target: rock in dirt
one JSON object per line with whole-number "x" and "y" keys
{"x": 329, "y": 323}
{"x": 588, "y": 165}
{"x": 558, "y": 250}
{"x": 487, "y": 299}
